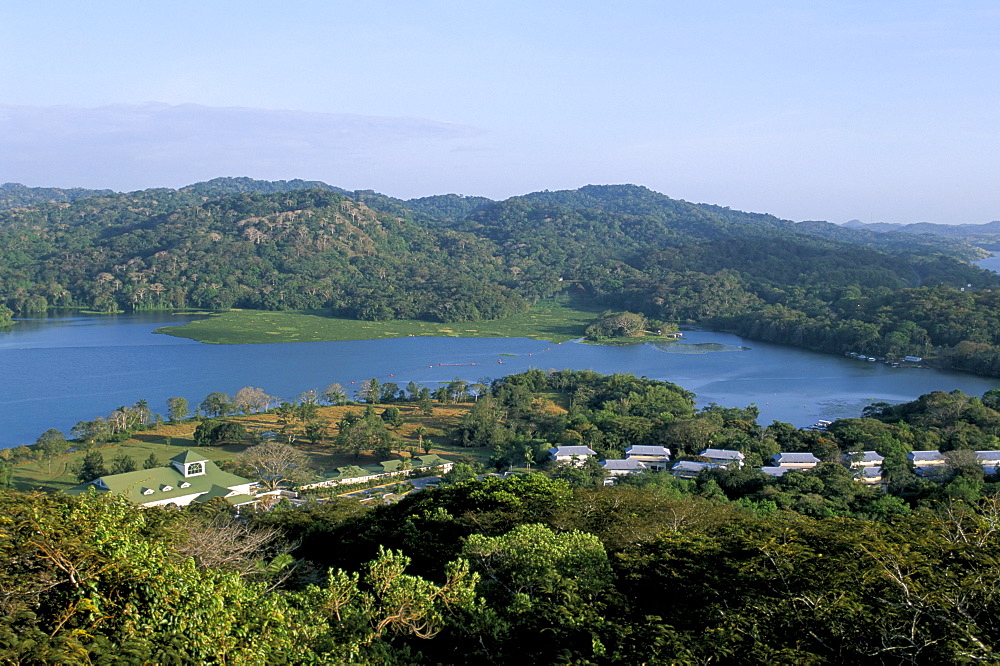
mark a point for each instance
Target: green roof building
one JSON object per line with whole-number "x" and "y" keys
{"x": 189, "y": 478}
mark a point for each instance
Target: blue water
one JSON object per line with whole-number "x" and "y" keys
{"x": 58, "y": 371}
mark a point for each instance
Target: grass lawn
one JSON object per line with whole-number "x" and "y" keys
{"x": 168, "y": 440}
{"x": 553, "y": 320}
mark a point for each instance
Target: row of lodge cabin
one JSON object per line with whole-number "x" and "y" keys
{"x": 929, "y": 463}
{"x": 866, "y": 465}
{"x": 188, "y": 479}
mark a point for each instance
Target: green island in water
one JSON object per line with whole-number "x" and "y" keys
{"x": 551, "y": 320}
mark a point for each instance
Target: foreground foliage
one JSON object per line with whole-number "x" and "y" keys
{"x": 95, "y": 580}
{"x": 544, "y": 575}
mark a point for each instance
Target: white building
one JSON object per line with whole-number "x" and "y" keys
{"x": 724, "y": 457}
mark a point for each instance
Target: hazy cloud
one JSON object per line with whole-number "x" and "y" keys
{"x": 126, "y": 146}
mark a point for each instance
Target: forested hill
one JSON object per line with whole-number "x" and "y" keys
{"x": 238, "y": 242}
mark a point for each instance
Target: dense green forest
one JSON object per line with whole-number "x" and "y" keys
{"x": 299, "y": 245}
{"x": 549, "y": 567}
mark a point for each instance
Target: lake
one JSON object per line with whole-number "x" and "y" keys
{"x": 60, "y": 370}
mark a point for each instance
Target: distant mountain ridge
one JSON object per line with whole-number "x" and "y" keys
{"x": 950, "y": 230}
{"x": 16, "y": 195}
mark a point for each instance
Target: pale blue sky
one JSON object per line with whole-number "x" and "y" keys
{"x": 882, "y": 111}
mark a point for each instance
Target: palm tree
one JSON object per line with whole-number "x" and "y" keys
{"x": 420, "y": 431}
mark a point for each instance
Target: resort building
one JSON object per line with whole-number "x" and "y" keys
{"x": 926, "y": 458}
{"x": 870, "y": 475}
{"x": 688, "y": 469}
{"x": 655, "y": 457}
{"x": 724, "y": 457}
{"x": 188, "y": 479}
{"x": 795, "y": 460}
{"x": 619, "y": 467}
{"x": 574, "y": 454}
{"x": 863, "y": 459}
{"x": 775, "y": 471}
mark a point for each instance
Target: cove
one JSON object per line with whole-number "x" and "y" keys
{"x": 61, "y": 370}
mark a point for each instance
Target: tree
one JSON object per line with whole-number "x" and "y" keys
{"x": 458, "y": 473}
{"x": 335, "y": 394}
{"x": 369, "y": 391}
{"x": 91, "y": 467}
{"x": 317, "y": 430}
{"x": 216, "y": 433}
{"x": 89, "y": 432}
{"x": 216, "y": 404}
{"x": 618, "y": 325}
{"x": 222, "y": 542}
{"x": 286, "y": 413}
{"x": 249, "y": 400}
{"x": 307, "y": 411}
{"x": 274, "y": 465}
{"x": 389, "y": 392}
{"x": 309, "y": 397}
{"x": 365, "y": 435}
{"x": 177, "y": 409}
{"x": 152, "y": 462}
{"x": 140, "y": 415}
{"x": 532, "y": 569}
{"x": 420, "y": 432}
{"x": 51, "y": 444}
{"x": 457, "y": 389}
{"x": 392, "y": 416}
{"x": 122, "y": 464}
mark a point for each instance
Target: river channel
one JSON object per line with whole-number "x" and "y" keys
{"x": 61, "y": 370}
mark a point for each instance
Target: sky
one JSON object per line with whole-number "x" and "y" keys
{"x": 881, "y": 111}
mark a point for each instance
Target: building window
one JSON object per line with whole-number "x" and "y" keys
{"x": 195, "y": 468}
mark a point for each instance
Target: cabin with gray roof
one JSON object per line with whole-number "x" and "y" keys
{"x": 689, "y": 469}
{"x": 795, "y": 460}
{"x": 870, "y": 475}
{"x": 574, "y": 454}
{"x": 863, "y": 459}
{"x": 926, "y": 458}
{"x": 724, "y": 457}
{"x": 620, "y": 467}
{"x": 775, "y": 472}
{"x": 655, "y": 457}
{"x": 991, "y": 458}
{"x": 189, "y": 479}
